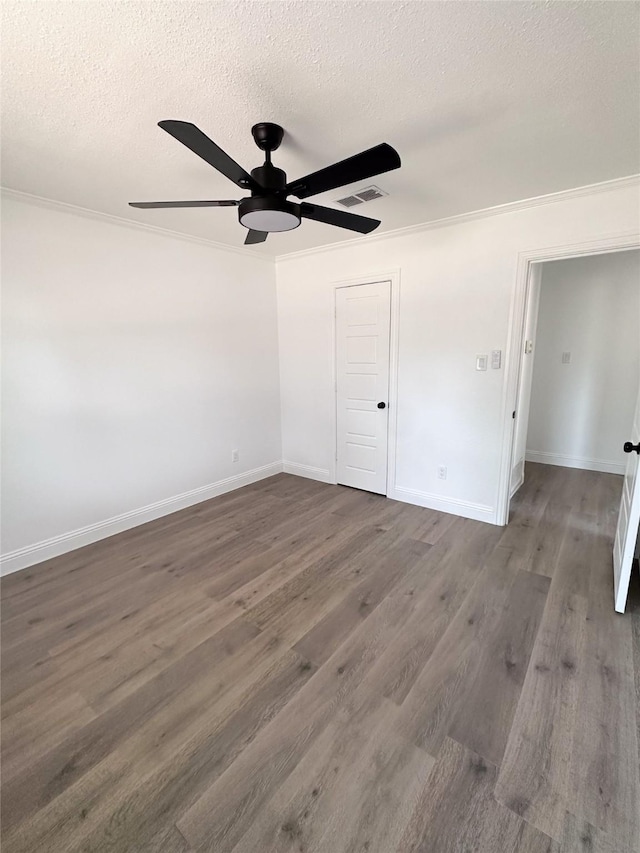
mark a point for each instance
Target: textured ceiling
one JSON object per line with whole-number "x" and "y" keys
{"x": 487, "y": 102}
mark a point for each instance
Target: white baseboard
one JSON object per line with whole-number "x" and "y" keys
{"x": 32, "y": 554}
{"x": 465, "y": 509}
{"x": 604, "y": 465}
{"x": 321, "y": 474}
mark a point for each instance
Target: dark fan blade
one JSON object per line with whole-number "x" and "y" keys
{"x": 148, "y": 204}
{"x": 375, "y": 161}
{"x": 201, "y": 145}
{"x": 255, "y": 237}
{"x": 362, "y": 224}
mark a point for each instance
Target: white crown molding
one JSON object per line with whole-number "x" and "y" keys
{"x": 85, "y": 212}
{"x": 22, "y": 558}
{"x": 508, "y": 207}
{"x": 459, "y": 218}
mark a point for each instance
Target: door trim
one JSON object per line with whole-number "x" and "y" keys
{"x": 392, "y": 276}
{"x": 515, "y": 340}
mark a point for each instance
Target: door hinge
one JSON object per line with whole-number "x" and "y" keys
{"x": 513, "y": 415}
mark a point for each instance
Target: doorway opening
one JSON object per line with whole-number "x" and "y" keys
{"x": 579, "y": 379}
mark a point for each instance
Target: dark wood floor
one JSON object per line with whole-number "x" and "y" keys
{"x": 303, "y": 667}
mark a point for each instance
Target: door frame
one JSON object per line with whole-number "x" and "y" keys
{"x": 531, "y": 307}
{"x": 515, "y": 341}
{"x": 392, "y": 276}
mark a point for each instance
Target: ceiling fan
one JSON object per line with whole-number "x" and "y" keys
{"x": 268, "y": 209}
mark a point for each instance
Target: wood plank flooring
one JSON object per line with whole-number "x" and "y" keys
{"x": 302, "y": 667}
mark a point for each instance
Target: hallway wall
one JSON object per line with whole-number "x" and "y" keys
{"x": 581, "y": 411}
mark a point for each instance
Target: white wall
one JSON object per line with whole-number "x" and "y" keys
{"x": 581, "y": 412}
{"x": 456, "y": 290}
{"x": 132, "y": 364}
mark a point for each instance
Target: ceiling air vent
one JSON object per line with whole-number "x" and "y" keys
{"x": 350, "y": 201}
{"x": 366, "y": 194}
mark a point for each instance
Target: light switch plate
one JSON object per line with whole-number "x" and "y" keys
{"x": 496, "y": 359}
{"x": 566, "y": 358}
{"x": 481, "y": 362}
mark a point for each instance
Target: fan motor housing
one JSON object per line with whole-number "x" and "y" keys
{"x": 269, "y": 177}
{"x": 269, "y": 213}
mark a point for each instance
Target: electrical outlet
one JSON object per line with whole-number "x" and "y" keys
{"x": 442, "y": 472}
{"x": 235, "y": 455}
{"x": 496, "y": 359}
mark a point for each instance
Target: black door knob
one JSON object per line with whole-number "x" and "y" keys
{"x": 382, "y": 405}
{"x": 628, "y": 447}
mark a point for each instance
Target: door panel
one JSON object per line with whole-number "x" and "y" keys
{"x": 362, "y": 381}
{"x": 628, "y": 520}
{"x": 527, "y": 357}
{"x": 362, "y": 350}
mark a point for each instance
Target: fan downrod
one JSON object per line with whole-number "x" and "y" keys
{"x": 267, "y": 136}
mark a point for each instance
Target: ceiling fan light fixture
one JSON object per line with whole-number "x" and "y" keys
{"x": 269, "y": 214}
{"x": 268, "y": 208}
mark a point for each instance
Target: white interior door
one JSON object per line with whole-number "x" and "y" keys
{"x": 363, "y": 314}
{"x": 629, "y": 518}
{"x": 526, "y": 379}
